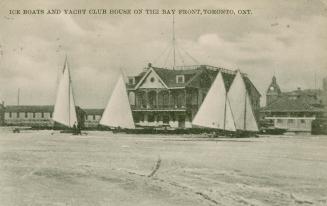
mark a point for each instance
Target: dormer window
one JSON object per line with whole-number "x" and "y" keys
{"x": 180, "y": 79}
{"x": 131, "y": 80}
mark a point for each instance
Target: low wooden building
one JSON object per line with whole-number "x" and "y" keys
{"x": 295, "y": 115}
{"x": 37, "y": 116}
{"x": 27, "y": 115}
{"x": 92, "y": 117}
{"x": 293, "y": 110}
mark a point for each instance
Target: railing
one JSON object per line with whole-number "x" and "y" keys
{"x": 159, "y": 107}
{"x": 229, "y": 71}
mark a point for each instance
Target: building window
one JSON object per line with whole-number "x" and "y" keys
{"x": 165, "y": 119}
{"x": 17, "y": 114}
{"x": 180, "y": 79}
{"x": 10, "y": 114}
{"x": 290, "y": 121}
{"x": 93, "y": 117}
{"x": 50, "y": 114}
{"x": 173, "y": 117}
{"x": 33, "y": 114}
{"x": 151, "y": 118}
{"x": 302, "y": 121}
{"x": 279, "y": 121}
{"x": 141, "y": 99}
{"x": 25, "y": 114}
{"x": 42, "y": 115}
{"x": 141, "y": 118}
{"x": 152, "y": 99}
{"x": 152, "y": 79}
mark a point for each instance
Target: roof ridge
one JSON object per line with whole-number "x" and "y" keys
{"x": 290, "y": 104}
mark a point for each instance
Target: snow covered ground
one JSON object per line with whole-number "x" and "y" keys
{"x": 41, "y": 168}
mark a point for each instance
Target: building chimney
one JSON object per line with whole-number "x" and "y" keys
{"x": 148, "y": 67}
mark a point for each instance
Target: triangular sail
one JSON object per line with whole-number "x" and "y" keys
{"x": 241, "y": 105}
{"x": 118, "y": 111}
{"x": 64, "y": 110}
{"x": 215, "y": 111}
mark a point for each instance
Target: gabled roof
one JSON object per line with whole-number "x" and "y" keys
{"x": 168, "y": 77}
{"x": 29, "y": 108}
{"x": 307, "y": 92}
{"x": 145, "y": 75}
{"x": 286, "y": 104}
{"x": 137, "y": 80}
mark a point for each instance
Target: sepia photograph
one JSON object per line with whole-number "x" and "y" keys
{"x": 170, "y": 103}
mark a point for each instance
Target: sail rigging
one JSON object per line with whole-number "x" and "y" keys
{"x": 118, "y": 111}
{"x": 241, "y": 105}
{"x": 64, "y": 109}
{"x": 215, "y": 111}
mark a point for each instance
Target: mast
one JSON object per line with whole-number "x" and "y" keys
{"x": 174, "y": 42}
{"x": 66, "y": 66}
{"x": 64, "y": 109}
{"x": 245, "y": 109}
{"x": 69, "y": 85}
{"x": 225, "y": 111}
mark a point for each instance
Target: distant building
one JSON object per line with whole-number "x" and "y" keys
{"x": 166, "y": 97}
{"x": 294, "y": 110}
{"x": 314, "y": 97}
{"x": 2, "y": 113}
{"x": 293, "y": 114}
{"x": 28, "y": 115}
{"x": 38, "y": 116}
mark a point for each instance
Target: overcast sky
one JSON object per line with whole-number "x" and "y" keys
{"x": 285, "y": 38}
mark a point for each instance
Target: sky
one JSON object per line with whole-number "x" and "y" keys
{"x": 287, "y": 39}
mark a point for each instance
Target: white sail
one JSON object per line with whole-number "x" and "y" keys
{"x": 118, "y": 111}
{"x": 64, "y": 110}
{"x": 215, "y": 111}
{"x": 241, "y": 105}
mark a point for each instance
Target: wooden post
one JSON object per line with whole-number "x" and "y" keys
{"x": 157, "y": 98}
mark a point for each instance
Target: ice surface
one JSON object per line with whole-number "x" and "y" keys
{"x": 49, "y": 168}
